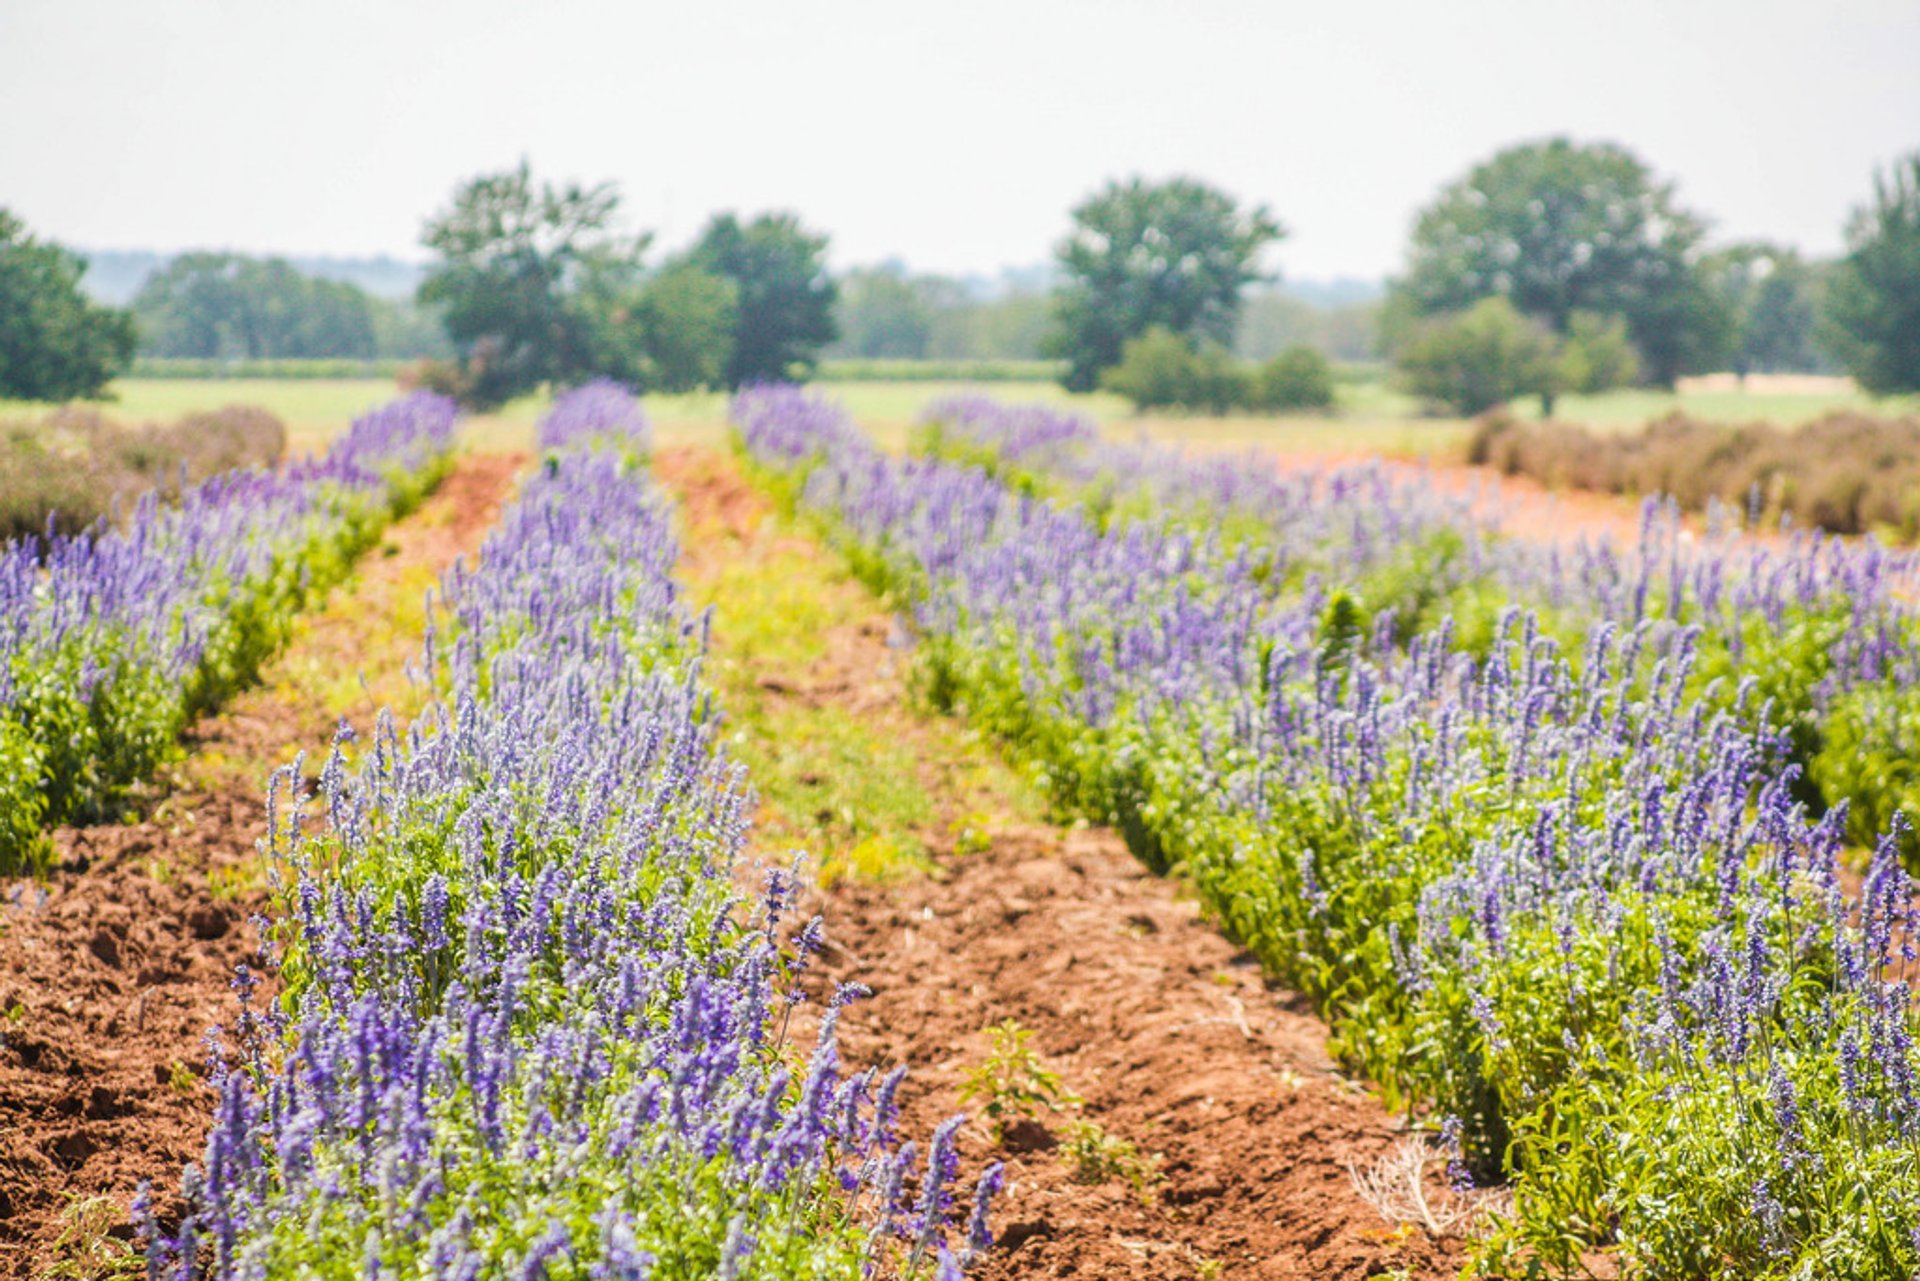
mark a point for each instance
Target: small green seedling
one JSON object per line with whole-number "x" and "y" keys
{"x": 1014, "y": 1082}
{"x": 1098, "y": 1157}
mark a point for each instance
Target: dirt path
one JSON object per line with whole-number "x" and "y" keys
{"x": 112, "y": 971}
{"x": 1242, "y": 1127}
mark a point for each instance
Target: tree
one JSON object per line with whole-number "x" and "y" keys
{"x": 687, "y": 319}
{"x": 884, "y": 314}
{"x": 1769, "y": 293}
{"x": 1873, "y": 298}
{"x": 54, "y": 343}
{"x": 1175, "y": 255}
{"x": 1297, "y": 378}
{"x": 1556, "y": 229}
{"x": 1481, "y": 358}
{"x": 1595, "y": 356}
{"x": 214, "y": 306}
{"x": 784, "y": 298}
{"x": 527, "y": 279}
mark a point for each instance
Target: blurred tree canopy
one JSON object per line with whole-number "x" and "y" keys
{"x": 1479, "y": 358}
{"x": 1557, "y": 228}
{"x": 1873, "y": 297}
{"x": 783, "y": 296}
{"x": 1772, "y": 297}
{"x": 215, "y": 306}
{"x": 886, "y": 313}
{"x": 54, "y": 343}
{"x": 1174, "y": 255}
{"x": 528, "y": 277}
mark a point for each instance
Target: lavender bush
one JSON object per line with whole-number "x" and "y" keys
{"x": 111, "y": 641}
{"x": 530, "y": 1028}
{"x": 1565, "y": 896}
{"x": 1826, "y": 629}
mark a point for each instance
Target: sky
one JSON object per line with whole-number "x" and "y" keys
{"x": 955, "y": 136}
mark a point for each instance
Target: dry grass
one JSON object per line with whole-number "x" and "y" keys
{"x": 1847, "y": 472}
{"x": 74, "y": 465}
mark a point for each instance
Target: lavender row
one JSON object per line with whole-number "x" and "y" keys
{"x": 1553, "y": 896}
{"x": 530, "y": 1028}
{"x": 1827, "y": 628}
{"x": 111, "y": 641}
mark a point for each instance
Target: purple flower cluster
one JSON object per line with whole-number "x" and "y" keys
{"x": 1547, "y": 891}
{"x": 112, "y": 639}
{"x": 601, "y": 410}
{"x": 531, "y": 1028}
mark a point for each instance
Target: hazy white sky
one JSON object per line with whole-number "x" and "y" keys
{"x": 955, "y": 135}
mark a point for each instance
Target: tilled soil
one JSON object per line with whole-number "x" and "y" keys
{"x": 114, "y": 968}
{"x": 1167, "y": 1032}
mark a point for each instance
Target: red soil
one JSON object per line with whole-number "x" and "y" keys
{"x": 117, "y": 965}
{"x": 1167, "y": 1031}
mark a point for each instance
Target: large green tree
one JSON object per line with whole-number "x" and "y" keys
{"x": 1142, "y": 255}
{"x": 526, "y": 274}
{"x": 687, "y": 318}
{"x": 784, "y": 298}
{"x": 1558, "y": 228}
{"x": 884, "y": 313}
{"x": 1873, "y": 296}
{"x": 212, "y": 306}
{"x": 54, "y": 343}
{"x": 1769, "y": 293}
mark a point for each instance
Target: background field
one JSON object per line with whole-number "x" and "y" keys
{"x": 1372, "y": 418}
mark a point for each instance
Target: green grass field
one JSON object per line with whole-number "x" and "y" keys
{"x": 1371, "y": 417}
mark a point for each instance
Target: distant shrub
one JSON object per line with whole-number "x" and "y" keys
{"x": 194, "y": 369}
{"x": 1297, "y": 378}
{"x": 1156, "y": 371}
{"x": 1848, "y": 473}
{"x": 73, "y": 465}
{"x": 1481, "y": 358}
{"x": 1162, "y": 370}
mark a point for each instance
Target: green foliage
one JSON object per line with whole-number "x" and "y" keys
{"x": 1596, "y": 355}
{"x": 686, "y": 319}
{"x": 217, "y": 306}
{"x": 1014, "y": 1082}
{"x": 784, "y": 297}
{"x": 1099, "y": 1157}
{"x": 1162, "y": 370}
{"x": 1873, "y": 298}
{"x": 54, "y": 344}
{"x": 528, "y": 277}
{"x": 884, "y": 314}
{"x": 1556, "y": 228}
{"x": 1296, "y": 379}
{"x": 1175, "y": 255}
{"x": 87, "y": 1248}
{"x": 1771, "y": 296}
{"x": 1273, "y": 320}
{"x": 1868, "y": 754}
{"x": 1481, "y": 358}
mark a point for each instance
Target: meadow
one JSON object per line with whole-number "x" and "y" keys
{"x": 886, "y": 829}
{"x": 1371, "y": 416}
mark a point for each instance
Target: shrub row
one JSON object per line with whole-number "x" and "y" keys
{"x": 73, "y": 467}
{"x": 113, "y": 639}
{"x": 1162, "y": 370}
{"x": 1548, "y": 893}
{"x": 1846, "y": 473}
{"x": 1826, "y": 631}
{"x": 530, "y": 1028}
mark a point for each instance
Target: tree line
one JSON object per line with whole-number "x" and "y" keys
{"x": 1551, "y": 267}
